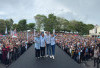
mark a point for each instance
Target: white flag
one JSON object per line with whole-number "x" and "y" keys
{"x": 34, "y": 32}
{"x": 6, "y": 30}
{"x": 27, "y": 35}
{"x": 53, "y": 31}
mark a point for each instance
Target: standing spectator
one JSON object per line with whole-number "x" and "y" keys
{"x": 0, "y": 52}
{"x": 96, "y": 51}
{"x": 8, "y": 55}
{"x": 4, "y": 55}
{"x": 23, "y": 48}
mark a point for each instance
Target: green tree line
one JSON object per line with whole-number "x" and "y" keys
{"x": 9, "y": 23}
{"x": 50, "y": 22}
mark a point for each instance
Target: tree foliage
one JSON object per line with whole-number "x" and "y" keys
{"x": 9, "y": 23}
{"x": 23, "y": 26}
{"x": 60, "y": 24}
{"x": 30, "y": 26}
{"x": 48, "y": 23}
{"x": 2, "y": 26}
{"x": 40, "y": 20}
{"x": 4, "y": 23}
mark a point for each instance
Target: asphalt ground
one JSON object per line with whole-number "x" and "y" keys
{"x": 28, "y": 60}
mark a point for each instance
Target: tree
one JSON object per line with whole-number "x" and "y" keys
{"x": 15, "y": 26}
{"x": 48, "y": 24}
{"x": 63, "y": 24}
{"x": 9, "y": 24}
{"x": 22, "y": 25}
{"x": 90, "y": 26}
{"x": 40, "y": 20}
{"x": 80, "y": 27}
{"x": 60, "y": 24}
{"x": 2, "y": 26}
{"x": 51, "y": 23}
{"x": 72, "y": 25}
{"x": 31, "y": 26}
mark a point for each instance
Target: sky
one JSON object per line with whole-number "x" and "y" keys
{"x": 87, "y": 11}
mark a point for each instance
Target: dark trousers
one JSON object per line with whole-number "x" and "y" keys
{"x": 48, "y": 49}
{"x": 95, "y": 61}
{"x": 37, "y": 52}
{"x": 42, "y": 51}
{"x": 53, "y": 49}
{"x": 15, "y": 56}
{"x": 0, "y": 57}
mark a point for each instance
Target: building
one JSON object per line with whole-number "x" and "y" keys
{"x": 95, "y": 32}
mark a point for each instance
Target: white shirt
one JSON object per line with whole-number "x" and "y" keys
{"x": 52, "y": 40}
{"x": 47, "y": 39}
{"x": 96, "y": 53}
{"x": 42, "y": 41}
{"x": 0, "y": 50}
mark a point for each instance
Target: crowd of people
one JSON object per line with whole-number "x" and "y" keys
{"x": 11, "y": 48}
{"x": 78, "y": 47}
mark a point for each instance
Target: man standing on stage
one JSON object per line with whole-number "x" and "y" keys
{"x": 47, "y": 38}
{"x": 37, "y": 46}
{"x": 52, "y": 40}
{"x": 42, "y": 47}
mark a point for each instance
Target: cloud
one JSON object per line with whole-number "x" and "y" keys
{"x": 85, "y": 10}
{"x": 2, "y": 13}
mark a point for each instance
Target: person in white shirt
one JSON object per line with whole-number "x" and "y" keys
{"x": 96, "y": 51}
{"x": 47, "y": 39}
{"x": 42, "y": 47}
{"x": 52, "y": 41}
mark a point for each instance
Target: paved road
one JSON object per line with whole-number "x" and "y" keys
{"x": 28, "y": 60}
{"x": 89, "y": 64}
{"x": 2, "y": 66}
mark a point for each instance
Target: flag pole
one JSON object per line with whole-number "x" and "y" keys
{"x": 6, "y": 30}
{"x": 27, "y": 35}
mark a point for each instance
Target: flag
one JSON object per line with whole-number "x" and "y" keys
{"x": 14, "y": 33}
{"x": 53, "y": 31}
{"x": 27, "y": 35}
{"x": 11, "y": 32}
{"x": 34, "y": 32}
{"x": 6, "y": 30}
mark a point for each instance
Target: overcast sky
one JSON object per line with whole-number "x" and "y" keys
{"x": 87, "y": 11}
